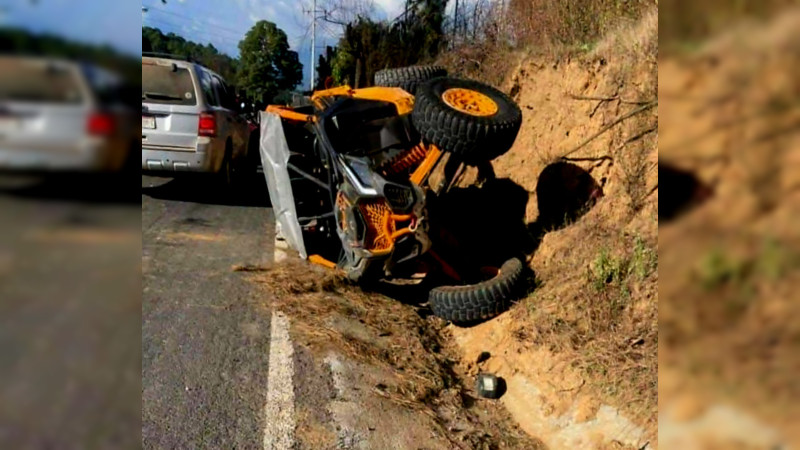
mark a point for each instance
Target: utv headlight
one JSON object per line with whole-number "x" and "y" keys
{"x": 360, "y": 176}
{"x": 362, "y": 171}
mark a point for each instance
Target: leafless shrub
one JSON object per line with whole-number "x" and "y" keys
{"x": 485, "y": 34}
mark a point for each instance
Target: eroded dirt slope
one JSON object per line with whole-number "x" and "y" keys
{"x": 579, "y": 353}
{"x": 730, "y": 254}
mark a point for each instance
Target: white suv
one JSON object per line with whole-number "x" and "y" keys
{"x": 190, "y": 121}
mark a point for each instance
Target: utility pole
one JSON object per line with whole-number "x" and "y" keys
{"x": 313, "y": 43}
{"x": 455, "y": 23}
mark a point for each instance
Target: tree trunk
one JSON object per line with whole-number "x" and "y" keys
{"x": 358, "y": 73}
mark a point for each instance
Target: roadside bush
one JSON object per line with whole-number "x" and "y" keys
{"x": 486, "y": 34}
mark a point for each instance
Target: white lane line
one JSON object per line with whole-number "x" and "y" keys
{"x": 280, "y": 420}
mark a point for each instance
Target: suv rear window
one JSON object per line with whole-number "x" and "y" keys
{"x": 39, "y": 82}
{"x": 162, "y": 84}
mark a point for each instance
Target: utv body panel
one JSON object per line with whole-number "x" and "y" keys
{"x": 275, "y": 159}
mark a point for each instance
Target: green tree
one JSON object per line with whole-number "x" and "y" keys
{"x": 325, "y": 66}
{"x": 267, "y": 65}
{"x": 153, "y": 40}
{"x": 17, "y": 41}
{"x": 367, "y": 46}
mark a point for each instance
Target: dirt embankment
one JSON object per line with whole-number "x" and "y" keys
{"x": 579, "y": 353}
{"x": 729, "y": 257}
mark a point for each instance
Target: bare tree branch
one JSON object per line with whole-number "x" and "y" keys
{"x": 611, "y": 125}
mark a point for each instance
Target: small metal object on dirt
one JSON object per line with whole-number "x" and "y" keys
{"x": 490, "y": 386}
{"x": 483, "y": 357}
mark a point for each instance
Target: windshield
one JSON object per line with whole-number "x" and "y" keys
{"x": 167, "y": 84}
{"x": 39, "y": 82}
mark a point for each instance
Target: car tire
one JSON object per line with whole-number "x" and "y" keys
{"x": 470, "y": 119}
{"x": 408, "y": 78}
{"x": 226, "y": 172}
{"x": 471, "y": 303}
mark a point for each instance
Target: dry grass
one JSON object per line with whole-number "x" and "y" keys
{"x": 579, "y": 22}
{"x": 602, "y": 318}
{"x": 500, "y": 37}
{"x": 687, "y": 23}
{"x": 386, "y": 334}
{"x": 631, "y": 47}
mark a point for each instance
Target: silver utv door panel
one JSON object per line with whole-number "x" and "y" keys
{"x": 275, "y": 159}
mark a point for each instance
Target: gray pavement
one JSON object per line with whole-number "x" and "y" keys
{"x": 205, "y": 332}
{"x": 69, "y": 313}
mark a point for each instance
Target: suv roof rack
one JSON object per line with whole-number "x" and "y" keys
{"x": 169, "y": 56}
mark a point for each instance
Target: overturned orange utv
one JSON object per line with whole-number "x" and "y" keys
{"x": 357, "y": 177}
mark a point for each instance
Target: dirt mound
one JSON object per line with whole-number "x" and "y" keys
{"x": 729, "y": 256}
{"x": 398, "y": 367}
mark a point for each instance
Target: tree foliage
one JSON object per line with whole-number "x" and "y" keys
{"x": 153, "y": 40}
{"x": 267, "y": 65}
{"x": 23, "y": 42}
{"x": 325, "y": 66}
{"x": 367, "y": 46}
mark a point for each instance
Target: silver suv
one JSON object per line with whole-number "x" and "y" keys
{"x": 189, "y": 119}
{"x": 58, "y": 115}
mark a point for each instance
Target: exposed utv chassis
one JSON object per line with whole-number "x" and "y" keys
{"x": 355, "y": 177}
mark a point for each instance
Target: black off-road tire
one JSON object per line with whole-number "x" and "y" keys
{"x": 408, "y": 78}
{"x": 471, "y": 303}
{"x": 227, "y": 173}
{"x": 473, "y": 138}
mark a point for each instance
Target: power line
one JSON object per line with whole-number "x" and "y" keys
{"x": 200, "y": 25}
{"x": 192, "y": 26}
{"x": 176, "y": 28}
{"x": 195, "y": 20}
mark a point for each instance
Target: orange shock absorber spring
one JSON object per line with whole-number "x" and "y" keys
{"x": 405, "y": 160}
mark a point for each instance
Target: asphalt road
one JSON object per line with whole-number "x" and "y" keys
{"x": 69, "y": 313}
{"x": 205, "y": 339}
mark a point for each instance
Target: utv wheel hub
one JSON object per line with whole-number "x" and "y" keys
{"x": 471, "y": 102}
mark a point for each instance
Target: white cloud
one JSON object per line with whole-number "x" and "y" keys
{"x": 264, "y": 9}
{"x": 392, "y": 8}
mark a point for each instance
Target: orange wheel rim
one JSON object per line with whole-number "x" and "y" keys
{"x": 471, "y": 102}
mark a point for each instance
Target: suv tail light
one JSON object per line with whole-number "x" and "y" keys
{"x": 100, "y": 124}
{"x": 207, "y": 126}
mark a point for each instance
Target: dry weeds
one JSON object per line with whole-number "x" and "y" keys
{"x": 415, "y": 350}
{"x": 603, "y": 318}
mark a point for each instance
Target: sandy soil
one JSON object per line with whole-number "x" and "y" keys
{"x": 728, "y": 347}
{"x": 579, "y": 353}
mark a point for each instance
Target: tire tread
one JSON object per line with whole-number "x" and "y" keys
{"x": 461, "y": 304}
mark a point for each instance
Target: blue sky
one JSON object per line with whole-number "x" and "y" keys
{"x": 224, "y": 22}
{"x": 113, "y": 22}
{"x": 220, "y": 22}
